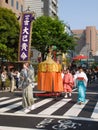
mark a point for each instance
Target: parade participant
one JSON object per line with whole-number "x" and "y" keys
{"x": 68, "y": 83}
{"x": 26, "y": 81}
{"x": 82, "y": 79}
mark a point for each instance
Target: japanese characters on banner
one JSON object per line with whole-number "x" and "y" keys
{"x": 25, "y": 37}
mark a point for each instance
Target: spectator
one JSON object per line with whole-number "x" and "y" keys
{"x": 12, "y": 80}
{"x": 17, "y": 78}
{"x": 3, "y": 80}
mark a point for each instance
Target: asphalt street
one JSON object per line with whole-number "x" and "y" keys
{"x": 50, "y": 113}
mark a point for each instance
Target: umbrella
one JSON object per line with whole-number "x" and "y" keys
{"x": 80, "y": 57}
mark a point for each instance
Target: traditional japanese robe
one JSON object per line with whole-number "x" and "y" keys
{"x": 81, "y": 84}
{"x": 68, "y": 82}
{"x": 26, "y": 81}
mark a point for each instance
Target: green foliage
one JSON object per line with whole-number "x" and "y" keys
{"x": 49, "y": 31}
{"x": 9, "y": 34}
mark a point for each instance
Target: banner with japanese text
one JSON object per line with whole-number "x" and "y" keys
{"x": 25, "y": 38}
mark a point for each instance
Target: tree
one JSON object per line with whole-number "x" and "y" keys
{"x": 9, "y": 34}
{"x": 49, "y": 31}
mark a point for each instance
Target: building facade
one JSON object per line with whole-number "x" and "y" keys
{"x": 87, "y": 41}
{"x": 42, "y": 7}
{"x": 34, "y": 5}
{"x": 15, "y": 5}
{"x": 50, "y": 8}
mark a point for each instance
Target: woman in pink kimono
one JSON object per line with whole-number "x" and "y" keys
{"x": 68, "y": 83}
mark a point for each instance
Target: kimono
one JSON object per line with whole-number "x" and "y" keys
{"x": 26, "y": 81}
{"x": 81, "y": 79}
{"x": 68, "y": 82}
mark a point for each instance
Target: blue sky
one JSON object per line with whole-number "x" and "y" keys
{"x": 78, "y": 13}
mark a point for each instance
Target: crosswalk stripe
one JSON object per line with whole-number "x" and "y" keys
{"x": 54, "y": 107}
{"x": 95, "y": 112}
{"x": 75, "y": 110}
{"x": 2, "y": 98}
{"x": 10, "y": 107}
{"x": 15, "y": 128}
{"x": 10, "y": 100}
{"x": 43, "y": 102}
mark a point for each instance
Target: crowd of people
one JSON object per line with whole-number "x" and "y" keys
{"x": 12, "y": 76}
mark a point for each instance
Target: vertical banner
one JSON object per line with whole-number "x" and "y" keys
{"x": 25, "y": 37}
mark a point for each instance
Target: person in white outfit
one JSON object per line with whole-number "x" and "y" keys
{"x": 3, "y": 80}
{"x": 81, "y": 81}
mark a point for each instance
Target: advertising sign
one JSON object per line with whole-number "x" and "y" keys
{"x": 25, "y": 37}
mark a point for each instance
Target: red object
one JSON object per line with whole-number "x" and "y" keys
{"x": 47, "y": 94}
{"x": 79, "y": 57}
{"x": 80, "y": 78}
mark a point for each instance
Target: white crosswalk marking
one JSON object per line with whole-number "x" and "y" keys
{"x": 10, "y": 100}
{"x": 43, "y": 102}
{"x": 10, "y": 107}
{"x": 54, "y": 107}
{"x": 15, "y": 128}
{"x": 75, "y": 110}
{"x": 2, "y": 98}
{"x": 95, "y": 112}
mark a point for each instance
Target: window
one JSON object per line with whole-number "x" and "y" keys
{"x": 17, "y": 5}
{"x": 6, "y": 1}
{"x": 42, "y": 10}
{"x": 21, "y": 8}
{"x": 12, "y": 2}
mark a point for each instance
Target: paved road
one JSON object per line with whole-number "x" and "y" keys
{"x": 50, "y": 114}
